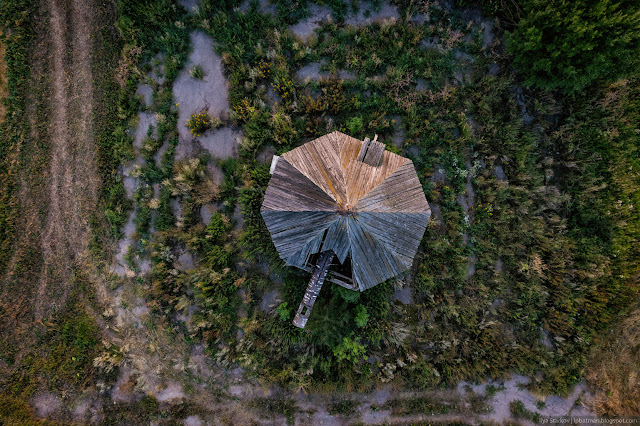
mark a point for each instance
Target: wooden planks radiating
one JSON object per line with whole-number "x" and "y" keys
{"x": 290, "y": 190}
{"x": 401, "y": 233}
{"x": 319, "y": 160}
{"x": 401, "y": 191}
{"x": 337, "y": 239}
{"x": 291, "y": 231}
{"x": 359, "y": 176}
{"x": 371, "y": 261}
{"x": 322, "y": 198}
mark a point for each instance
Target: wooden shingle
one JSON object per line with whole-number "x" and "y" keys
{"x": 352, "y": 198}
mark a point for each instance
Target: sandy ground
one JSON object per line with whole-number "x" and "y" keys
{"x": 306, "y": 27}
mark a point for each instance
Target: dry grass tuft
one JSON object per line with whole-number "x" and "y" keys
{"x": 614, "y": 367}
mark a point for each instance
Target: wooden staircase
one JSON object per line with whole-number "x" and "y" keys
{"x": 313, "y": 289}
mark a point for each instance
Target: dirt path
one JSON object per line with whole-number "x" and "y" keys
{"x": 72, "y": 176}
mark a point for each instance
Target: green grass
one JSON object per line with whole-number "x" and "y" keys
{"x": 519, "y": 411}
{"x": 565, "y": 227}
{"x": 277, "y": 406}
{"x": 18, "y": 33}
{"x": 421, "y": 405}
{"x": 63, "y": 357}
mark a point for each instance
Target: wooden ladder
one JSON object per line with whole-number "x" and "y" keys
{"x": 313, "y": 289}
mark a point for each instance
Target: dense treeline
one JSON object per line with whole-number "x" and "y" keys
{"x": 570, "y": 45}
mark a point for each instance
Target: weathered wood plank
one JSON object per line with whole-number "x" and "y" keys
{"x": 290, "y": 231}
{"x": 319, "y": 160}
{"x": 372, "y": 262}
{"x": 401, "y": 233}
{"x": 373, "y": 157}
{"x": 360, "y": 177}
{"x": 290, "y": 190}
{"x": 363, "y": 149}
{"x": 337, "y": 239}
{"x": 301, "y": 257}
{"x": 399, "y": 192}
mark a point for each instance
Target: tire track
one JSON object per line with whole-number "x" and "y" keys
{"x": 73, "y": 179}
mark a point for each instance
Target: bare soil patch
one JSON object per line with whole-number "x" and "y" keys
{"x": 208, "y": 94}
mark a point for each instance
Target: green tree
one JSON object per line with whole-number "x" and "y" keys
{"x": 568, "y": 44}
{"x": 350, "y": 350}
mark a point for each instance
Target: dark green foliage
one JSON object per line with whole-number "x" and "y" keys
{"x": 165, "y": 218}
{"x": 284, "y": 311}
{"x": 153, "y": 25}
{"x": 146, "y": 410}
{"x": 508, "y": 11}
{"x": 215, "y": 292}
{"x": 255, "y": 240}
{"x": 212, "y": 244}
{"x": 354, "y": 126}
{"x": 292, "y": 11}
{"x": 349, "y": 350}
{"x": 568, "y": 45}
{"x": 350, "y": 296}
{"x": 362, "y": 317}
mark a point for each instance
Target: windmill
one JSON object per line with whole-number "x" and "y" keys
{"x": 340, "y": 198}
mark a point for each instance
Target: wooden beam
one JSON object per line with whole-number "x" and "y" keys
{"x": 373, "y": 157}
{"x": 363, "y": 149}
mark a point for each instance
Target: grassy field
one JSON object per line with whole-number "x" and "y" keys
{"x": 529, "y": 263}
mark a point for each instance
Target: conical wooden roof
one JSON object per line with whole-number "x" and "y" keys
{"x": 330, "y": 194}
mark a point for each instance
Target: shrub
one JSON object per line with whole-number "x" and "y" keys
{"x": 350, "y": 296}
{"x": 519, "y": 411}
{"x": 283, "y": 311}
{"x": 567, "y": 45}
{"x": 349, "y": 350}
{"x": 200, "y": 122}
{"x": 362, "y": 317}
{"x": 354, "y": 125}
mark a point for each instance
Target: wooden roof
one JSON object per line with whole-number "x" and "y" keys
{"x": 353, "y": 197}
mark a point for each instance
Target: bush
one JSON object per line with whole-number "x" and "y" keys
{"x": 362, "y": 317}
{"x": 283, "y": 311}
{"x": 349, "y": 350}
{"x": 354, "y": 125}
{"x": 567, "y": 45}
{"x": 200, "y": 122}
